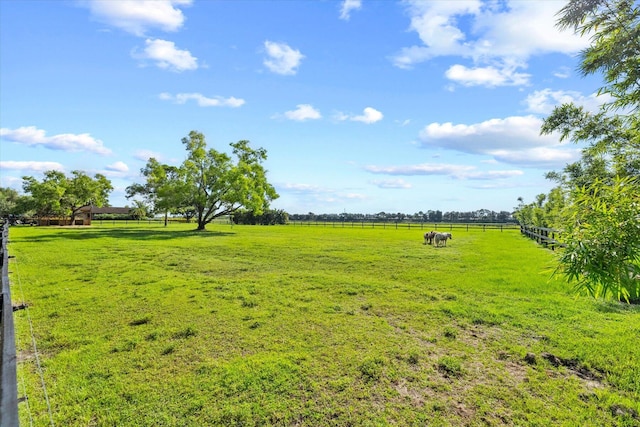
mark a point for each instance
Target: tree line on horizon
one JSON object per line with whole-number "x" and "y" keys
{"x": 480, "y": 215}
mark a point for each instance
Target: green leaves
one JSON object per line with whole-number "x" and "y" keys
{"x": 602, "y": 233}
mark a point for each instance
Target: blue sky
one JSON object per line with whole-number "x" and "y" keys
{"x": 362, "y": 106}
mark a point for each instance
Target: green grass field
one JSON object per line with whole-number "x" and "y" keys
{"x": 312, "y": 326}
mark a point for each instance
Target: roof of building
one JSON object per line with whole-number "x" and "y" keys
{"x": 107, "y": 210}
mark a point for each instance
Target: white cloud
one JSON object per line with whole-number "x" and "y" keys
{"x": 138, "y": 16}
{"x": 31, "y": 166}
{"x": 523, "y": 29}
{"x": 203, "y": 101}
{"x": 347, "y": 6}
{"x": 282, "y": 59}
{"x": 118, "y": 167}
{"x": 515, "y": 140}
{"x": 538, "y": 156}
{"x": 492, "y": 175}
{"x": 489, "y": 76}
{"x": 392, "y": 183}
{"x": 479, "y": 138}
{"x": 437, "y": 26}
{"x": 369, "y": 115}
{"x": 303, "y": 112}
{"x": 421, "y": 169}
{"x": 166, "y": 56}
{"x": 562, "y": 73}
{"x": 497, "y": 37}
{"x": 443, "y": 169}
{"x": 543, "y": 101}
{"x": 302, "y": 188}
{"x": 145, "y": 155}
{"x": 32, "y": 136}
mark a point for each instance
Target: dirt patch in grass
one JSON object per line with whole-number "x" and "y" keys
{"x": 417, "y": 397}
{"x": 590, "y": 377}
{"x": 517, "y": 371}
{"x": 24, "y": 356}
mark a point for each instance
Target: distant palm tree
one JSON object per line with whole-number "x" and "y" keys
{"x": 139, "y": 210}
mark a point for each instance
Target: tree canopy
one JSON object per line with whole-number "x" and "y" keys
{"x": 61, "y": 195}
{"x": 9, "y": 200}
{"x": 208, "y": 182}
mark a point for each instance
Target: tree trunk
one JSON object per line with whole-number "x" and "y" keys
{"x": 166, "y": 218}
{"x": 202, "y": 222}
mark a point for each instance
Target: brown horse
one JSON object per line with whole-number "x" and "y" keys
{"x": 428, "y": 237}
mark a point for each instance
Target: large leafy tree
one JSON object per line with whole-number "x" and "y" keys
{"x": 209, "y": 182}
{"x": 600, "y": 217}
{"x": 218, "y": 186}
{"x": 61, "y": 195}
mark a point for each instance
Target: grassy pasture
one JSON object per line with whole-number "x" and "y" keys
{"x": 313, "y": 326}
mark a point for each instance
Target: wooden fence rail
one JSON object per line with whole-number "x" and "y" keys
{"x": 544, "y": 236}
{"x": 8, "y": 373}
{"x": 406, "y": 225}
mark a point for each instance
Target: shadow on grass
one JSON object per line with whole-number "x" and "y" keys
{"x": 76, "y": 233}
{"x": 618, "y": 307}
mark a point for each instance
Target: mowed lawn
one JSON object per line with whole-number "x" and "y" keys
{"x": 311, "y": 326}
